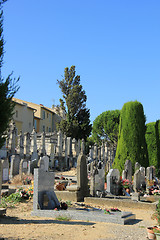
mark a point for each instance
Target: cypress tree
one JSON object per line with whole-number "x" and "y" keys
{"x": 131, "y": 138}
{"x": 153, "y": 143}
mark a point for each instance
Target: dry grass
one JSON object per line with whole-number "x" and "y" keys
{"x": 18, "y": 179}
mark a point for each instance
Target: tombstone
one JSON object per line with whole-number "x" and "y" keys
{"x": 20, "y": 148}
{"x": 74, "y": 147}
{"x": 42, "y": 150}
{"x": 82, "y": 176}
{"x": 59, "y": 143}
{"x": 83, "y": 147}
{"x": 102, "y": 151}
{"x": 23, "y": 167}
{"x": 113, "y": 178}
{"x": 92, "y": 179}
{"x": 106, "y": 152}
{"x": 137, "y": 166}
{"x": 46, "y": 163}
{"x": 3, "y": 152}
{"x": 127, "y": 172}
{"x": 31, "y": 165}
{"x": 14, "y": 169}
{"x": 149, "y": 173}
{"x": 69, "y": 146}
{"x": 91, "y": 152}
{"x": 27, "y": 145}
{"x": 41, "y": 163}
{"x": 33, "y": 148}
{"x": 69, "y": 152}
{"x": 78, "y": 147}
{"x": 100, "y": 180}
{"x": 44, "y": 191}
{"x": 5, "y": 170}
{"x": 142, "y": 169}
{"x": 95, "y": 151}
{"x": 52, "y": 154}
{"x": 139, "y": 180}
{"x": 64, "y": 152}
{"x": 12, "y": 139}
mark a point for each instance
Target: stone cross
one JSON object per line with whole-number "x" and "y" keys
{"x": 27, "y": 145}
{"x": 20, "y": 148}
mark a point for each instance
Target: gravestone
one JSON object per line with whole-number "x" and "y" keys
{"x": 5, "y": 170}
{"x": 142, "y": 169}
{"x": 46, "y": 163}
{"x": 82, "y": 176}
{"x": 137, "y": 166}
{"x": 95, "y": 153}
{"x": 33, "y": 148}
{"x": 20, "y": 148}
{"x": 149, "y": 173}
{"x": 113, "y": 178}
{"x": 139, "y": 180}
{"x": 27, "y": 145}
{"x": 42, "y": 150}
{"x": 23, "y": 167}
{"x": 59, "y": 143}
{"x": 100, "y": 180}
{"x": 12, "y": 138}
{"x": 127, "y": 172}
{"x": 41, "y": 163}
{"x": 14, "y": 169}
{"x": 44, "y": 191}
{"x": 31, "y": 165}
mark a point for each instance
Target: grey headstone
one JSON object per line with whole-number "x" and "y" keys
{"x": 113, "y": 178}
{"x": 44, "y": 185}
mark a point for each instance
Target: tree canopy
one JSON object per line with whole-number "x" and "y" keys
{"x": 105, "y": 126}
{"x": 8, "y": 87}
{"x": 131, "y": 139}
{"x": 77, "y": 121}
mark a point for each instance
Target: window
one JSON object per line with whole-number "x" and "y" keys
{"x": 43, "y": 128}
{"x": 47, "y": 115}
{"x": 16, "y": 114}
{"x": 35, "y": 124}
{"x": 43, "y": 114}
{"x": 29, "y": 124}
{"x": 49, "y": 129}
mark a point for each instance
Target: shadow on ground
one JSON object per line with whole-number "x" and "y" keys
{"x": 15, "y": 220}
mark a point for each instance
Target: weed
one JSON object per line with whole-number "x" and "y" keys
{"x": 63, "y": 218}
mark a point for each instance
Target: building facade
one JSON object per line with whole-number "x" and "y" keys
{"x": 44, "y": 118}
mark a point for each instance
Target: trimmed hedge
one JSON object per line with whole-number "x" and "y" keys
{"x": 131, "y": 139}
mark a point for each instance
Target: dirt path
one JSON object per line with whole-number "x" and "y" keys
{"x": 19, "y": 224}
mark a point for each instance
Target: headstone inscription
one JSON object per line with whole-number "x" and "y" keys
{"x": 5, "y": 170}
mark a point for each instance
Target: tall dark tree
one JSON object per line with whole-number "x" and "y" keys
{"x": 131, "y": 139}
{"x": 153, "y": 143}
{"x": 77, "y": 121}
{"x": 105, "y": 126}
{"x": 8, "y": 87}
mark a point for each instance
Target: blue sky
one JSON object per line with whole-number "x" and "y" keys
{"x": 115, "y": 46}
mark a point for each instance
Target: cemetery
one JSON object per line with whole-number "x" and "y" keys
{"x": 95, "y": 193}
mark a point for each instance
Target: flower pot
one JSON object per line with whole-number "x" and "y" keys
{"x": 151, "y": 234}
{"x": 127, "y": 190}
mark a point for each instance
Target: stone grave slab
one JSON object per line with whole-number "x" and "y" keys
{"x": 88, "y": 215}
